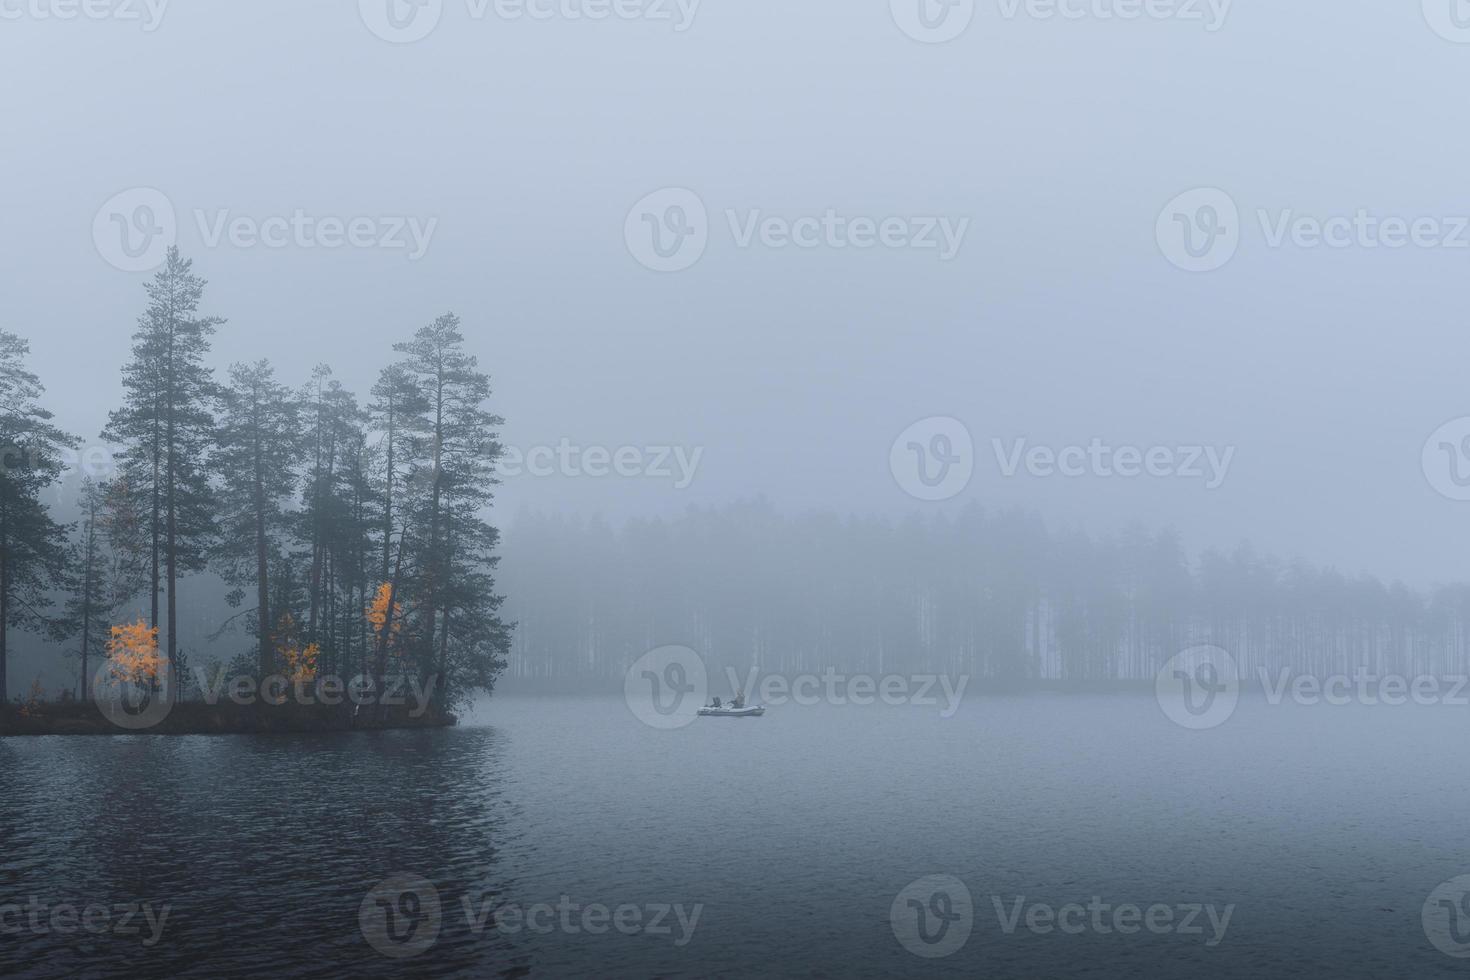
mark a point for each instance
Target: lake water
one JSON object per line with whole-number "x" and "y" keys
{"x": 1323, "y": 828}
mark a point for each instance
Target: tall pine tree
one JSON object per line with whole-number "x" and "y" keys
{"x": 457, "y": 609}
{"x": 166, "y": 425}
{"x": 258, "y": 442}
{"x": 89, "y": 604}
{"x": 32, "y": 545}
{"x": 399, "y": 412}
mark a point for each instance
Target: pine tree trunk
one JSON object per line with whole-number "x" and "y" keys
{"x": 433, "y": 562}
{"x": 388, "y": 495}
{"x": 171, "y": 552}
{"x": 87, "y": 591}
{"x": 156, "y": 525}
{"x": 262, "y": 570}
{"x": 387, "y": 629}
{"x": 314, "y": 583}
{"x": 4, "y": 612}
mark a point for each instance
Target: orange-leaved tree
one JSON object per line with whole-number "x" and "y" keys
{"x": 377, "y": 615}
{"x": 298, "y": 663}
{"x": 132, "y": 654}
{"x": 32, "y": 704}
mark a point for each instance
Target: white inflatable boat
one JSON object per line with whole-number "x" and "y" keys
{"x": 725, "y": 711}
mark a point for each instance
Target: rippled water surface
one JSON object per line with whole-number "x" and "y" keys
{"x": 1325, "y": 827}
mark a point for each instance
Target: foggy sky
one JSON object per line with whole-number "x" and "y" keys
{"x": 1059, "y": 321}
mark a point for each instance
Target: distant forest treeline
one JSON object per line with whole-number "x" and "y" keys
{"x": 993, "y": 595}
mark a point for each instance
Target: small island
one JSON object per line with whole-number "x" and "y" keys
{"x": 346, "y": 544}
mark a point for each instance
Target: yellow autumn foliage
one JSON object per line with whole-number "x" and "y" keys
{"x": 132, "y": 652}
{"x": 297, "y": 663}
{"x": 377, "y": 613}
{"x": 32, "y": 704}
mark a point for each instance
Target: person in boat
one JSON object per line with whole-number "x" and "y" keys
{"x": 739, "y": 702}
{"x": 715, "y": 702}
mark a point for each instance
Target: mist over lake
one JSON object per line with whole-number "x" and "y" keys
{"x": 672, "y": 488}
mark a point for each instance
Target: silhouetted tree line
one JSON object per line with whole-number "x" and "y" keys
{"x": 992, "y": 594}
{"x": 353, "y": 535}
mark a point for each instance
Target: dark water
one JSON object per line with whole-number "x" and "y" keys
{"x": 1325, "y": 827}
